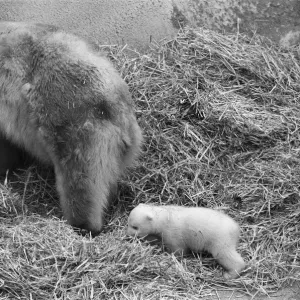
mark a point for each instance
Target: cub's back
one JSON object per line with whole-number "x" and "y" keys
{"x": 211, "y": 223}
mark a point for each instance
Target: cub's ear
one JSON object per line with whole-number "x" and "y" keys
{"x": 149, "y": 216}
{"x": 26, "y": 89}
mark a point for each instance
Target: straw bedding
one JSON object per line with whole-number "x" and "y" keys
{"x": 221, "y": 119}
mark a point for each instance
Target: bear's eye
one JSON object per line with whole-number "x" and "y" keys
{"x": 135, "y": 227}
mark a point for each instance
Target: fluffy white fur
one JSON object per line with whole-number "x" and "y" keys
{"x": 196, "y": 229}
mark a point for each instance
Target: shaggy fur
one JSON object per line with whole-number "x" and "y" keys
{"x": 196, "y": 229}
{"x": 66, "y": 105}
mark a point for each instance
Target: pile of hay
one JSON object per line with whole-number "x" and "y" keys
{"x": 221, "y": 119}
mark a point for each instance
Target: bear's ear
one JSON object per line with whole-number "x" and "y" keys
{"x": 26, "y": 89}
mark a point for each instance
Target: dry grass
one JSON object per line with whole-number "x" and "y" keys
{"x": 221, "y": 119}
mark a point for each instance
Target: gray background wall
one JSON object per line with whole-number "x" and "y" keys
{"x": 137, "y": 22}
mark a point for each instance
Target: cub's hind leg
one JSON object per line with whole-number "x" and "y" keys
{"x": 231, "y": 260}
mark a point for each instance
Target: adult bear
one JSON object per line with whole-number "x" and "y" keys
{"x": 65, "y": 104}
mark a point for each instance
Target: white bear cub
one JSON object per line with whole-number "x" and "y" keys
{"x": 184, "y": 229}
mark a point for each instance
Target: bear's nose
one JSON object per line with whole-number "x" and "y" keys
{"x": 83, "y": 229}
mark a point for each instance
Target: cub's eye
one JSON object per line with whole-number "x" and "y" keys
{"x": 135, "y": 227}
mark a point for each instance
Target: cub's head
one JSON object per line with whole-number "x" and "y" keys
{"x": 140, "y": 221}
